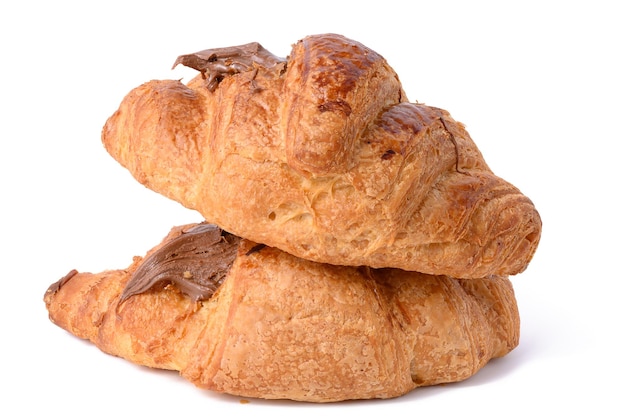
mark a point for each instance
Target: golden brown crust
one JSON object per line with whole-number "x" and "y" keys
{"x": 324, "y": 158}
{"x": 283, "y": 327}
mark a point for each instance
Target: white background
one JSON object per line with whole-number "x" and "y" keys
{"x": 538, "y": 84}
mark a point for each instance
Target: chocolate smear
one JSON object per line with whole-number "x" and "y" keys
{"x": 55, "y": 287}
{"x": 217, "y": 63}
{"x": 196, "y": 262}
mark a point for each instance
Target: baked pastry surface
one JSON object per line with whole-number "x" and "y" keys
{"x": 237, "y": 317}
{"x": 322, "y": 156}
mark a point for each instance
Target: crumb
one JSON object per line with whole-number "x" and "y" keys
{"x": 244, "y": 401}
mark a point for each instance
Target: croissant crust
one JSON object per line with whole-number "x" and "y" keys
{"x": 322, "y": 156}
{"x": 282, "y": 327}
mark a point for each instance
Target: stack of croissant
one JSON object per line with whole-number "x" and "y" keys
{"x": 356, "y": 244}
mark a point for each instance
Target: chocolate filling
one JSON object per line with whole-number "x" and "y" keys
{"x": 52, "y": 289}
{"x": 217, "y": 63}
{"x": 196, "y": 262}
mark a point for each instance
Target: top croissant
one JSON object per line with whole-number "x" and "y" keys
{"x": 322, "y": 155}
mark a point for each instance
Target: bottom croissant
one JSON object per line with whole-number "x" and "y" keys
{"x": 240, "y": 318}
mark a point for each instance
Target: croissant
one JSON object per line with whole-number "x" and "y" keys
{"x": 322, "y": 156}
{"x": 238, "y": 317}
